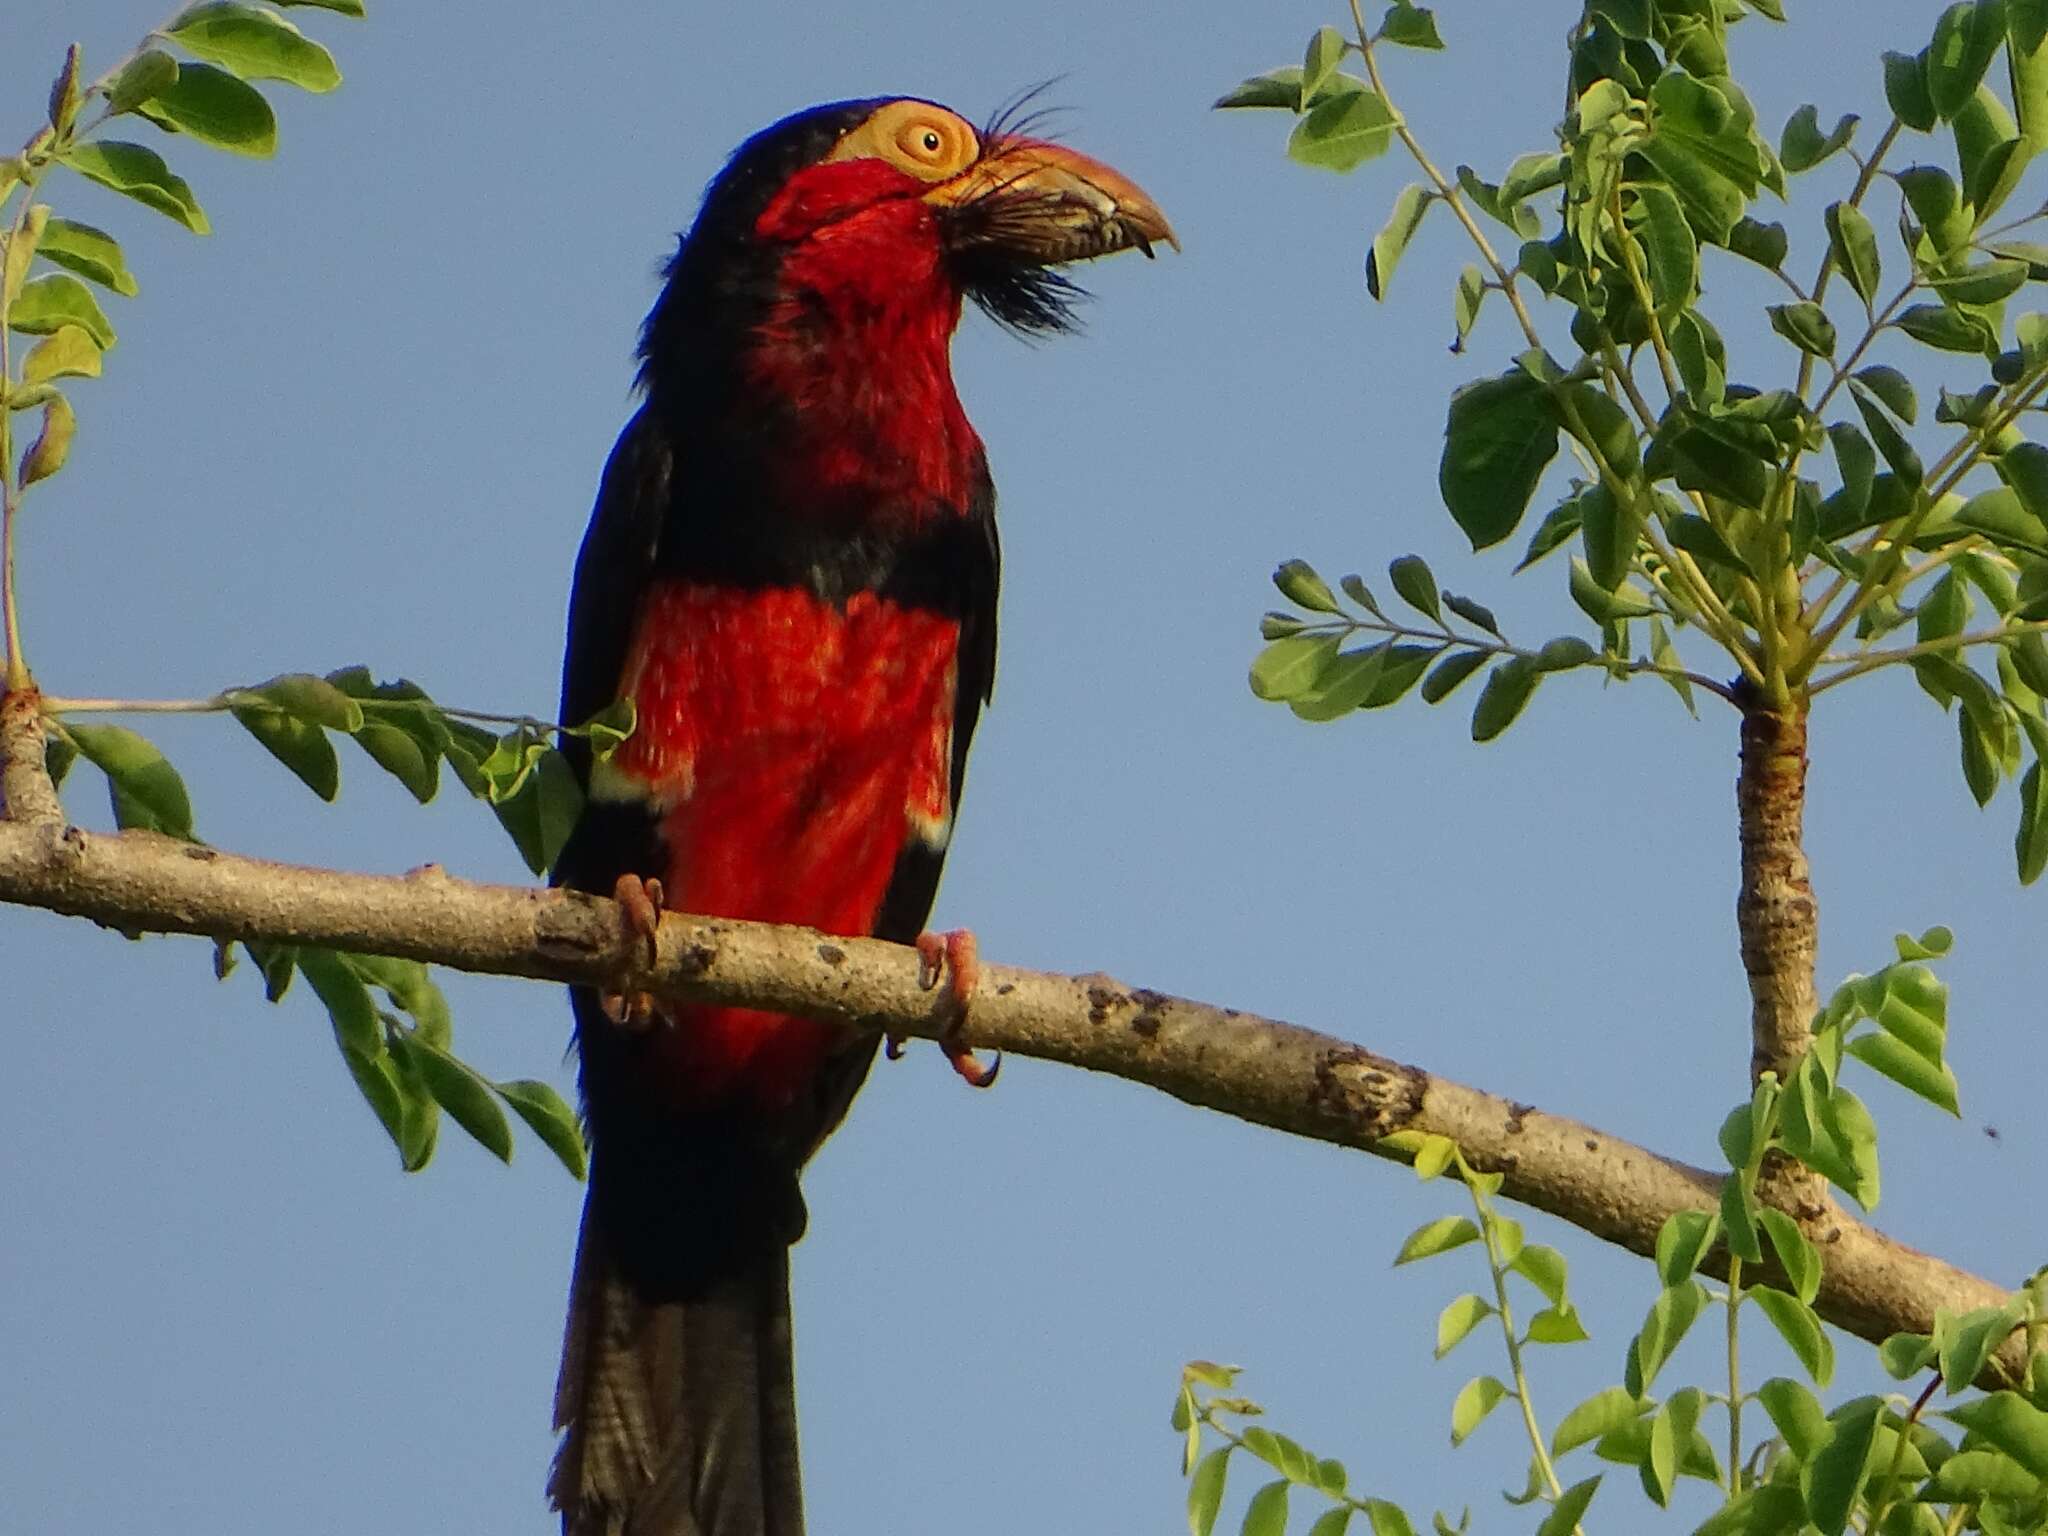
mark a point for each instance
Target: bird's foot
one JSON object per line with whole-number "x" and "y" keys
{"x": 955, "y": 955}
{"x": 640, "y": 900}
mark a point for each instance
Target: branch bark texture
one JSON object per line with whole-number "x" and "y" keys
{"x": 1259, "y": 1070}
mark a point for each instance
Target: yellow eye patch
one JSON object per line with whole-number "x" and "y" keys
{"x": 920, "y": 139}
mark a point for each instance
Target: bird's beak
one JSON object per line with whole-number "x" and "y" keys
{"x": 1043, "y": 204}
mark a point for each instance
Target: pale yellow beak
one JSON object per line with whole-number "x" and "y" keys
{"x": 1047, "y": 204}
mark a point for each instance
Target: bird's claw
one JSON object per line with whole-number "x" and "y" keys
{"x": 640, "y": 900}
{"x": 955, "y": 954}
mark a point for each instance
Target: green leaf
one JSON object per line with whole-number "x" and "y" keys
{"x": 1683, "y": 1242}
{"x": 1671, "y": 252}
{"x": 1299, "y": 583}
{"x": 1557, "y": 1325}
{"x": 1796, "y": 1256}
{"x": 1476, "y": 1399}
{"x": 360, "y": 1035}
{"x": 310, "y": 698}
{"x": 1974, "y": 1477}
{"x": 1442, "y": 683}
{"x": 541, "y": 815}
{"x": 215, "y": 108}
{"x": 1564, "y": 653}
{"x": 1988, "y": 282}
{"x": 1205, "y": 1490}
{"x": 1701, "y": 152}
{"x": 1796, "y": 1414}
{"x": 255, "y": 44}
{"x": 1343, "y": 132}
{"x": 147, "y": 75}
{"x": 1415, "y": 585}
{"x": 1832, "y": 1477}
{"x": 140, "y": 173}
{"x": 549, "y": 1118}
{"x": 1968, "y": 1342}
{"x": 1670, "y": 1318}
{"x": 1891, "y": 442}
{"x": 1466, "y": 298}
{"x": 1937, "y": 203}
{"x": 1698, "y": 538}
{"x": 1892, "y": 387}
{"x": 1411, "y": 26}
{"x": 1611, "y": 528}
{"x": 339, "y": 7}
{"x": 2012, "y": 1424}
{"x": 1945, "y": 329}
{"x": 1556, "y": 529}
{"x": 1266, "y": 1515}
{"x": 1498, "y": 439}
{"x": 2001, "y": 515}
{"x": 411, "y": 989}
{"x": 1802, "y": 146}
{"x": 1393, "y": 238}
{"x": 91, "y": 253}
{"x": 1931, "y": 1080}
{"x": 1472, "y": 612}
{"x": 1569, "y": 1509}
{"x": 1965, "y": 40}
{"x": 1853, "y": 244}
{"x": 67, "y": 352}
{"x": 55, "y": 300}
{"x": 1275, "y": 88}
{"x": 1905, "y": 90}
{"x": 147, "y": 792}
{"x": 470, "y": 1101}
{"x": 1720, "y": 463}
{"x": 2030, "y": 843}
{"x": 1459, "y": 1318}
{"x": 1543, "y": 1267}
{"x": 1401, "y": 668}
{"x": 1988, "y": 152}
{"x": 1436, "y": 1237}
{"x": 1800, "y": 1329}
{"x": 299, "y": 744}
{"x": 1601, "y": 1414}
{"x": 1289, "y": 668}
{"x": 1325, "y": 52}
{"x": 1764, "y": 244}
{"x": 1507, "y": 692}
{"x": 1806, "y": 326}
{"x": 1345, "y": 684}
{"x": 1739, "y": 1221}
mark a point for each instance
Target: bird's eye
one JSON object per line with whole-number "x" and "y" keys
{"x": 930, "y": 141}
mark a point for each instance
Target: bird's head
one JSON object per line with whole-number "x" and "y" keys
{"x": 897, "y": 203}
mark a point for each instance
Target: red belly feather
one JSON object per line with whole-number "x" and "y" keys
{"x": 794, "y": 746}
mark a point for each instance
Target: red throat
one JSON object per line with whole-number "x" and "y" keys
{"x": 857, "y": 348}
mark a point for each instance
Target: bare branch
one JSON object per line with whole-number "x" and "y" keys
{"x": 1259, "y": 1070}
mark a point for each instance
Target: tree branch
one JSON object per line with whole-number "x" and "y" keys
{"x": 1255, "y": 1069}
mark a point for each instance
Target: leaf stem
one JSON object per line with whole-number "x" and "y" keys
{"x": 1899, "y": 1441}
{"x": 1446, "y": 189}
{"x": 1445, "y": 637}
{"x": 17, "y": 673}
{"x": 1870, "y": 661}
{"x": 234, "y": 698}
{"x": 1504, "y": 1309}
{"x": 1734, "y": 1374}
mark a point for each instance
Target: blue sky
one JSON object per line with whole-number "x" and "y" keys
{"x": 362, "y": 422}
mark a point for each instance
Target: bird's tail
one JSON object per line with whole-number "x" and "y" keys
{"x": 678, "y": 1416}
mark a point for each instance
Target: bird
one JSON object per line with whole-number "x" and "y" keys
{"x": 791, "y": 572}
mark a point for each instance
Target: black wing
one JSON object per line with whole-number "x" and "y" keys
{"x": 612, "y": 572}
{"x": 977, "y": 561}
